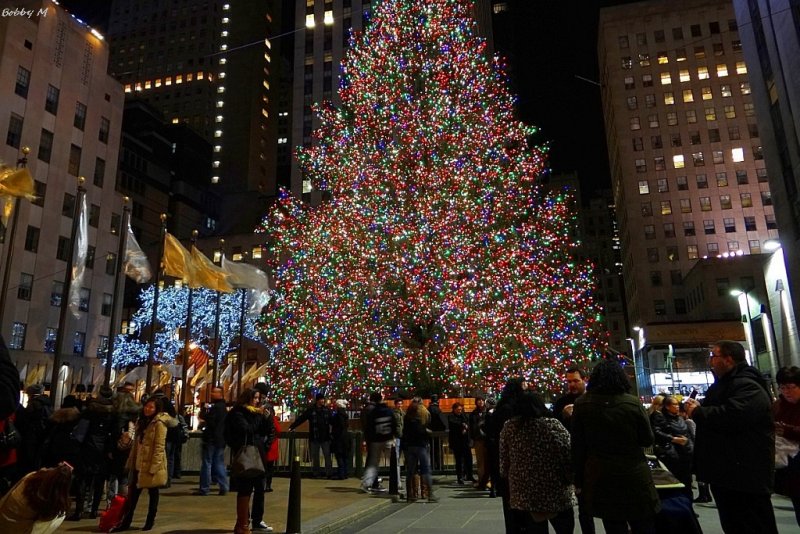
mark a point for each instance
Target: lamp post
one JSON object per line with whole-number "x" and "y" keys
{"x": 635, "y": 367}
{"x": 8, "y": 239}
{"x": 749, "y": 320}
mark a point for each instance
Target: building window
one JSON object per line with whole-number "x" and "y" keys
{"x": 749, "y": 109}
{"x": 649, "y": 231}
{"x": 32, "y": 239}
{"x": 705, "y": 203}
{"x": 677, "y": 34}
{"x": 672, "y": 118}
{"x": 758, "y": 152}
{"x": 683, "y": 183}
{"x": 17, "y": 340}
{"x": 658, "y": 35}
{"x": 688, "y": 229}
{"x": 733, "y": 246}
{"x": 666, "y": 207}
{"x": 627, "y": 62}
{"x": 23, "y": 82}
{"x": 733, "y": 133}
{"x": 675, "y": 140}
{"x": 666, "y": 78}
{"x": 74, "y": 167}
{"x": 688, "y": 95}
{"x": 630, "y": 83}
{"x": 737, "y": 155}
{"x": 647, "y": 80}
{"x": 650, "y": 101}
{"x": 99, "y": 172}
{"x": 713, "y": 135}
{"x": 669, "y": 98}
{"x": 116, "y": 223}
{"x": 25, "y": 288}
{"x": 730, "y": 225}
{"x": 644, "y": 187}
{"x": 686, "y": 207}
{"x": 50, "y": 339}
{"x": 655, "y": 278}
{"x": 691, "y": 116}
{"x": 90, "y": 253}
{"x": 660, "y": 307}
{"x": 638, "y": 145}
{"x": 725, "y": 202}
{"x": 644, "y": 60}
{"x": 652, "y": 254}
{"x": 111, "y": 263}
{"x": 692, "y": 252}
{"x": 722, "y": 179}
{"x": 62, "y": 249}
{"x": 675, "y": 277}
{"x": 641, "y": 166}
{"x": 766, "y": 198}
{"x": 659, "y": 163}
{"x": 105, "y": 127}
{"x": 672, "y": 253}
{"x": 14, "y": 135}
{"x": 708, "y": 227}
{"x": 663, "y": 185}
{"x": 68, "y": 205}
{"x": 635, "y": 123}
{"x": 669, "y": 230}
{"x": 51, "y": 100}
{"x": 744, "y": 88}
{"x": 56, "y": 293}
{"x": 752, "y": 130}
{"x": 746, "y": 199}
{"x": 761, "y": 174}
{"x": 105, "y": 309}
{"x": 702, "y": 181}
{"x": 652, "y": 121}
{"x": 79, "y": 343}
{"x": 677, "y": 161}
{"x": 769, "y": 220}
{"x": 655, "y": 142}
{"x": 80, "y": 116}
{"x": 711, "y": 114}
{"x": 698, "y": 159}
{"x": 755, "y": 246}
{"x": 647, "y": 209}
{"x": 102, "y": 346}
{"x": 83, "y": 299}
{"x": 723, "y": 286}
{"x": 683, "y": 76}
{"x": 741, "y": 68}
{"x": 631, "y": 100}
{"x": 713, "y": 249}
{"x": 45, "y": 146}
{"x": 702, "y": 73}
{"x": 39, "y": 191}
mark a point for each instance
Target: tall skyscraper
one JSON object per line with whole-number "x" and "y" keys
{"x": 770, "y": 33}
{"x": 685, "y": 150}
{"x": 57, "y": 98}
{"x": 207, "y": 64}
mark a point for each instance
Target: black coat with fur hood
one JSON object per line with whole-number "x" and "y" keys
{"x": 59, "y": 445}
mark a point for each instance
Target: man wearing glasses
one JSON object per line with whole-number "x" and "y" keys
{"x": 735, "y": 442}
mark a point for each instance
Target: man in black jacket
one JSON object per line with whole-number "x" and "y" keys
{"x": 381, "y": 428}
{"x": 735, "y": 442}
{"x": 319, "y": 434}
{"x": 213, "y": 447}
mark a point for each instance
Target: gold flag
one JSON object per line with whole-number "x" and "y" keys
{"x": 16, "y": 183}
{"x": 206, "y": 274}
{"x": 177, "y": 260}
{"x": 198, "y": 374}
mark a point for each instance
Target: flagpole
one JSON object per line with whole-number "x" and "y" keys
{"x": 8, "y": 239}
{"x": 241, "y": 344}
{"x": 62, "y": 316}
{"x": 154, "y": 321}
{"x": 214, "y": 373}
{"x": 187, "y": 339}
{"x": 112, "y": 329}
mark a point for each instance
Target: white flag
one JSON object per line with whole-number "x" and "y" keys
{"x": 79, "y": 259}
{"x": 135, "y": 265}
{"x": 242, "y": 275}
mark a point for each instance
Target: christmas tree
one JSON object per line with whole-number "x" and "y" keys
{"x": 438, "y": 264}
{"x": 172, "y": 307}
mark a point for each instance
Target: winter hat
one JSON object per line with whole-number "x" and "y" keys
{"x": 35, "y": 389}
{"x": 434, "y": 398}
{"x": 491, "y": 402}
{"x": 262, "y": 388}
{"x": 106, "y": 392}
{"x": 341, "y": 403}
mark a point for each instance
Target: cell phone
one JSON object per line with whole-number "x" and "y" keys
{"x": 693, "y": 394}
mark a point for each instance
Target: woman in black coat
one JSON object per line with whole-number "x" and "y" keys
{"x": 340, "y": 443}
{"x": 674, "y": 443}
{"x": 248, "y": 424}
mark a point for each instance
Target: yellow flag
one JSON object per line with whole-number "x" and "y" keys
{"x": 198, "y": 375}
{"x": 16, "y": 183}
{"x": 177, "y": 260}
{"x": 206, "y": 274}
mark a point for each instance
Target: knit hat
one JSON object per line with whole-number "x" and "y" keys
{"x": 35, "y": 389}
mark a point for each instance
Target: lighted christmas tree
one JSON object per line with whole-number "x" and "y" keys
{"x": 129, "y": 349}
{"x": 438, "y": 263}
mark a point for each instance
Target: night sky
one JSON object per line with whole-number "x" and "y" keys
{"x": 551, "y": 47}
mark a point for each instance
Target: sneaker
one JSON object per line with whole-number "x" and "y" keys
{"x": 263, "y": 527}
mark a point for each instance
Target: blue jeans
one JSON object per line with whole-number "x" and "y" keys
{"x": 213, "y": 466}
{"x": 418, "y": 457}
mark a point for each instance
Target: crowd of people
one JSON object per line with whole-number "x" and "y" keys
{"x": 590, "y": 454}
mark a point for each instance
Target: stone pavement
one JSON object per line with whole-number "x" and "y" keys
{"x": 336, "y": 506}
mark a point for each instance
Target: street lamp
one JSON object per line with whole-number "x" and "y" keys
{"x": 635, "y": 368}
{"x": 749, "y": 320}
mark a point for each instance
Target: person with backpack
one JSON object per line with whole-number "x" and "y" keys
{"x": 381, "y": 428}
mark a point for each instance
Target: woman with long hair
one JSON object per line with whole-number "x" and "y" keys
{"x": 40, "y": 500}
{"x": 535, "y": 460}
{"x": 148, "y": 461}
{"x": 414, "y": 442}
{"x": 246, "y": 424}
{"x": 610, "y": 429}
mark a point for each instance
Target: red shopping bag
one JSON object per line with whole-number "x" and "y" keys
{"x": 112, "y": 517}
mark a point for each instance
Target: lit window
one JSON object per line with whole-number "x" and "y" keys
{"x": 215, "y": 179}
{"x": 215, "y": 164}
{"x": 225, "y": 20}
{"x": 255, "y": 253}
{"x": 221, "y": 89}
{"x": 678, "y": 162}
{"x": 725, "y": 90}
{"x": 282, "y": 140}
{"x": 702, "y": 73}
{"x": 666, "y": 207}
{"x": 223, "y": 47}
{"x": 744, "y": 87}
{"x": 730, "y": 112}
{"x": 176, "y": 120}
{"x": 222, "y": 61}
{"x": 147, "y": 84}
{"x": 635, "y": 125}
{"x": 629, "y": 82}
{"x": 168, "y": 80}
{"x": 741, "y": 68}
{"x": 158, "y": 82}
{"x": 711, "y": 114}
{"x": 128, "y": 88}
{"x": 217, "y": 148}
{"x": 737, "y": 155}
{"x": 688, "y": 95}
{"x": 706, "y": 92}
{"x": 220, "y": 103}
{"x": 218, "y": 118}
{"x": 644, "y": 187}
{"x": 666, "y": 79}
{"x": 672, "y": 118}
{"x": 669, "y": 99}
{"x": 680, "y": 54}
{"x": 179, "y": 79}
{"x": 221, "y": 75}
{"x": 138, "y": 86}
{"x": 722, "y": 70}
{"x": 328, "y": 20}
{"x": 627, "y": 62}
{"x": 217, "y": 133}
{"x": 224, "y": 33}
{"x": 641, "y": 166}
{"x": 644, "y": 60}
{"x": 310, "y": 21}
{"x": 698, "y": 159}
{"x": 662, "y": 58}
{"x": 684, "y": 75}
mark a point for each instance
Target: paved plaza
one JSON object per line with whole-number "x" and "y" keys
{"x": 336, "y": 506}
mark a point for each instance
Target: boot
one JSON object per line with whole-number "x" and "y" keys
{"x": 412, "y": 490}
{"x": 425, "y": 491}
{"x": 242, "y": 515}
